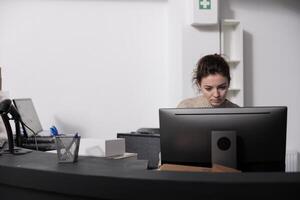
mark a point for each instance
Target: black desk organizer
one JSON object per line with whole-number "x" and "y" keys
{"x": 145, "y": 144}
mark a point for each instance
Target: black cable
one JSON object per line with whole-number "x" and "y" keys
{"x": 34, "y": 134}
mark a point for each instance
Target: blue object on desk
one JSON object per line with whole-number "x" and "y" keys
{"x": 53, "y": 131}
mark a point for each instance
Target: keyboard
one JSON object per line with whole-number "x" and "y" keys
{"x": 41, "y": 146}
{"x": 39, "y": 139}
{"x": 44, "y": 143}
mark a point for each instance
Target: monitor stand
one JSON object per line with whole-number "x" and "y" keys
{"x": 11, "y": 147}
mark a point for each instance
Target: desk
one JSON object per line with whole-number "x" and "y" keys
{"x": 37, "y": 175}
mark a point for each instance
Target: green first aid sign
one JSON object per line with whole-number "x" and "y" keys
{"x": 204, "y": 4}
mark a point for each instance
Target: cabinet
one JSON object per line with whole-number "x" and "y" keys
{"x": 203, "y": 12}
{"x": 231, "y": 47}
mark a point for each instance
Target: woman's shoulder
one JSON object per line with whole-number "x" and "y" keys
{"x": 194, "y": 102}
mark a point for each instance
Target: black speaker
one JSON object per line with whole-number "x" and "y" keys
{"x": 147, "y": 146}
{"x": 223, "y": 148}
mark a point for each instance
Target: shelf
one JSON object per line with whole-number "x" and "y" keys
{"x": 231, "y": 40}
{"x": 230, "y": 22}
{"x": 234, "y": 89}
{"x": 233, "y": 62}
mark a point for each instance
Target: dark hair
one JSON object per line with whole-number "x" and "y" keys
{"x": 210, "y": 65}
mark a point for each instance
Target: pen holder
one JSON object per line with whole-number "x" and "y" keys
{"x": 67, "y": 148}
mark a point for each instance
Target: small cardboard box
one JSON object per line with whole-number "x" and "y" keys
{"x": 102, "y": 147}
{"x": 184, "y": 168}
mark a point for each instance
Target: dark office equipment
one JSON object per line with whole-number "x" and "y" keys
{"x": 144, "y": 142}
{"x": 34, "y": 136}
{"x": 151, "y": 131}
{"x": 7, "y": 109}
{"x": 30, "y": 117}
{"x": 2, "y": 143}
{"x": 185, "y": 135}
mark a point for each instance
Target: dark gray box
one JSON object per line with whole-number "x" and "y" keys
{"x": 147, "y": 146}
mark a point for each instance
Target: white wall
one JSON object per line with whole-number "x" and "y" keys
{"x": 96, "y": 67}
{"x": 271, "y": 55}
{"x": 105, "y": 66}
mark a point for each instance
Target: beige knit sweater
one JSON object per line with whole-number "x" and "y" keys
{"x": 201, "y": 101}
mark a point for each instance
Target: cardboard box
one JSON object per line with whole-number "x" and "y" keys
{"x": 102, "y": 147}
{"x": 185, "y": 168}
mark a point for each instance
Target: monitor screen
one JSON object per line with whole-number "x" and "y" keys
{"x": 28, "y": 115}
{"x": 186, "y": 135}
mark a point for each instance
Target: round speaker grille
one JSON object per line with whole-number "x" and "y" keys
{"x": 224, "y": 143}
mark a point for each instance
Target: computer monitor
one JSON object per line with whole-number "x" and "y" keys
{"x": 29, "y": 116}
{"x": 185, "y": 135}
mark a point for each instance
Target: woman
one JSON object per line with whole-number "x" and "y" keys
{"x": 212, "y": 76}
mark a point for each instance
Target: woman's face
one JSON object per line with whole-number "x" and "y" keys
{"x": 214, "y": 88}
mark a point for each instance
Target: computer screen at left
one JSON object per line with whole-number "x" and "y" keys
{"x": 28, "y": 115}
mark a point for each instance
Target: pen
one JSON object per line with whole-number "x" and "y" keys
{"x": 53, "y": 131}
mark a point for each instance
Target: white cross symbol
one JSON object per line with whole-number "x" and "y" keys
{"x": 205, "y": 3}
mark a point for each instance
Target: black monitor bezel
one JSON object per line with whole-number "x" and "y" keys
{"x": 272, "y": 118}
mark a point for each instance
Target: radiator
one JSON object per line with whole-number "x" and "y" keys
{"x": 292, "y": 161}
